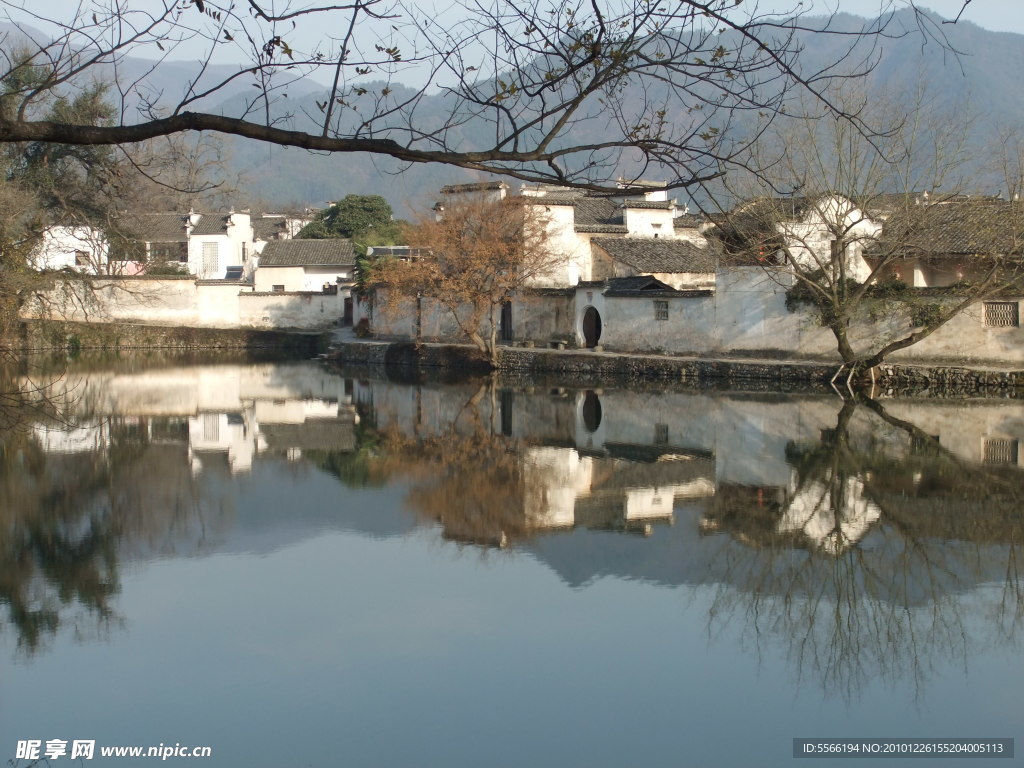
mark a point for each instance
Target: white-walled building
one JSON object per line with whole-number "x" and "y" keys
{"x": 82, "y": 249}
{"x": 290, "y": 266}
{"x": 217, "y": 242}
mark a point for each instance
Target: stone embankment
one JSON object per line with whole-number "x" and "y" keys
{"x": 48, "y": 335}
{"x": 587, "y": 366}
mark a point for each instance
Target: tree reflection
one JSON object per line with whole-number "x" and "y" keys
{"x": 68, "y": 519}
{"x": 879, "y": 560}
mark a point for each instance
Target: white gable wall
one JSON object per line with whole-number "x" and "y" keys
{"x": 810, "y": 241}
{"x": 209, "y": 256}
{"x": 296, "y": 279}
{"x": 82, "y": 249}
{"x": 648, "y": 222}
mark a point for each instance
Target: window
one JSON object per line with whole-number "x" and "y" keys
{"x": 1002, "y": 314}
{"x": 660, "y": 310}
{"x": 278, "y": 289}
{"x": 81, "y": 258}
{"x": 211, "y": 259}
{"x": 211, "y": 427}
{"x": 245, "y": 252}
{"x": 660, "y": 434}
{"x": 169, "y": 252}
{"x": 997, "y": 450}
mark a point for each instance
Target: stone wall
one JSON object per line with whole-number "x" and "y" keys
{"x": 40, "y": 335}
{"x": 587, "y": 368}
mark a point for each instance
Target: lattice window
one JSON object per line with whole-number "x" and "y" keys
{"x": 999, "y": 450}
{"x": 1002, "y": 314}
{"x": 211, "y": 259}
{"x": 661, "y": 310}
{"x": 211, "y": 427}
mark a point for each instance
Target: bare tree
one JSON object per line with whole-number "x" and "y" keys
{"x": 864, "y": 228}
{"x": 571, "y": 93}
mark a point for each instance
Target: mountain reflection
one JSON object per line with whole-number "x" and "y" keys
{"x": 867, "y": 538}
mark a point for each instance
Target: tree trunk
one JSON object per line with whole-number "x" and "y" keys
{"x": 843, "y": 346}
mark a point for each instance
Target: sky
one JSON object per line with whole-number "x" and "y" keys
{"x": 996, "y": 15}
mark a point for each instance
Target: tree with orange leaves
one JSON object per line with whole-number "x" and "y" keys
{"x": 472, "y": 258}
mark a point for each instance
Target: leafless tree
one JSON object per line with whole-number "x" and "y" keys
{"x": 859, "y": 227}
{"x": 570, "y": 93}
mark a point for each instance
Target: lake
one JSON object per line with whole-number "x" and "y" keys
{"x": 298, "y": 565}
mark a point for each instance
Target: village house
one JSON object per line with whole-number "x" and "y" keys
{"x": 290, "y": 266}
{"x": 634, "y": 274}
{"x": 940, "y": 242}
{"x": 637, "y": 277}
{"x": 217, "y": 242}
{"x": 574, "y": 220}
{"x": 805, "y": 233}
{"x": 310, "y": 266}
{"x": 78, "y": 248}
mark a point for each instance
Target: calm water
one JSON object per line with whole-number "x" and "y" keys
{"x": 296, "y": 566}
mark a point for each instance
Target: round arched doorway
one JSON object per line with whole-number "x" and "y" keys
{"x": 591, "y": 327}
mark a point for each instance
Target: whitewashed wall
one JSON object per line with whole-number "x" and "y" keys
{"x": 60, "y": 246}
{"x": 300, "y": 278}
{"x": 193, "y": 303}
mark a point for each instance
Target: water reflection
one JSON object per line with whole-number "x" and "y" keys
{"x": 865, "y": 539}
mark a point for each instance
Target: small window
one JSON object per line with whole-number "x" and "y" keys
{"x": 278, "y": 289}
{"x": 81, "y": 258}
{"x": 660, "y": 434}
{"x": 998, "y": 450}
{"x": 661, "y": 310}
{"x": 1002, "y": 314}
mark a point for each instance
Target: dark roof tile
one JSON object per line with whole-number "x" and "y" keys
{"x": 308, "y": 253}
{"x": 268, "y": 227}
{"x": 157, "y": 227}
{"x": 658, "y": 255}
{"x": 961, "y": 227}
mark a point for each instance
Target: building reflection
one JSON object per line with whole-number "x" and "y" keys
{"x": 226, "y": 416}
{"x": 802, "y": 513}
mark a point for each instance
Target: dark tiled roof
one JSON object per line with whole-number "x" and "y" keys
{"x": 211, "y": 225}
{"x": 887, "y": 204}
{"x": 689, "y": 221}
{"x": 158, "y": 227}
{"x": 654, "y": 205}
{"x": 560, "y": 199}
{"x": 751, "y": 227}
{"x": 312, "y": 435}
{"x": 599, "y": 214}
{"x": 636, "y": 283}
{"x": 658, "y": 255}
{"x": 308, "y": 253}
{"x": 483, "y": 186}
{"x": 957, "y": 228}
{"x": 268, "y": 227}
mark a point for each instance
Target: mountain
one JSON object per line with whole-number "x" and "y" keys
{"x": 978, "y": 78}
{"x": 972, "y": 72}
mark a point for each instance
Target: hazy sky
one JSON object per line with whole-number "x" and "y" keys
{"x": 997, "y": 15}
